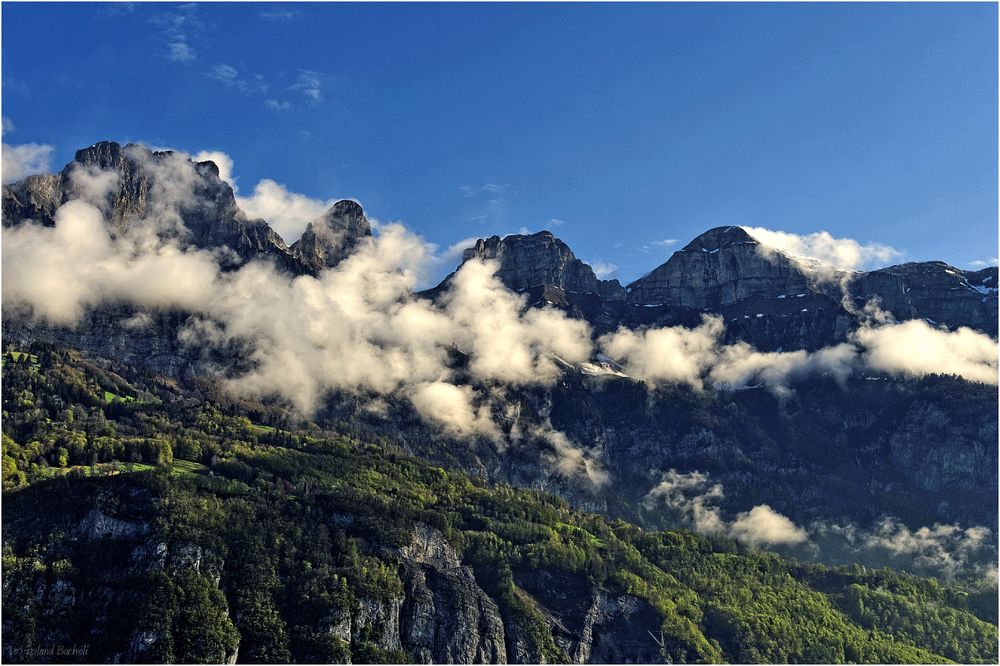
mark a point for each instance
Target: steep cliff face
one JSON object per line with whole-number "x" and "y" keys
{"x": 933, "y": 290}
{"x": 446, "y": 617}
{"x": 718, "y": 268}
{"x": 542, "y": 259}
{"x": 135, "y": 185}
{"x": 333, "y": 237}
{"x": 180, "y": 199}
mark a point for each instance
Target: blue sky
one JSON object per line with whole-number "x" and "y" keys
{"x": 619, "y": 127}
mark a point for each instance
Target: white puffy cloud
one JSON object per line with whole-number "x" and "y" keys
{"x": 672, "y": 354}
{"x": 696, "y": 356}
{"x": 221, "y": 160}
{"x": 916, "y": 348}
{"x": 845, "y": 253}
{"x": 694, "y": 502}
{"x": 983, "y": 263}
{"x": 23, "y": 160}
{"x": 61, "y": 270}
{"x": 603, "y": 270}
{"x": 287, "y": 212}
{"x": 762, "y": 525}
{"x": 452, "y": 407}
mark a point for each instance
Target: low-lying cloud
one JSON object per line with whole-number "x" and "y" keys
{"x": 691, "y": 500}
{"x": 697, "y": 356}
{"x": 694, "y": 502}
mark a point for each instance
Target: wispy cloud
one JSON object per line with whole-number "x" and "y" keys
{"x": 554, "y": 222}
{"x": 8, "y": 125}
{"x": 309, "y": 84}
{"x": 180, "y": 52}
{"x": 488, "y": 188}
{"x": 646, "y": 248}
{"x": 276, "y": 105}
{"x": 279, "y": 15}
{"x": 230, "y": 77}
{"x": 603, "y": 269}
{"x": 24, "y": 160}
{"x": 983, "y": 263}
{"x": 178, "y": 28}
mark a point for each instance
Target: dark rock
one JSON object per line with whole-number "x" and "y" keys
{"x": 333, "y": 237}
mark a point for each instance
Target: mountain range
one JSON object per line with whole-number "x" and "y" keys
{"x": 804, "y": 452}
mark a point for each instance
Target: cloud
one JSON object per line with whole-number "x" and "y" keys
{"x": 276, "y": 105}
{"x": 762, "y": 525}
{"x": 488, "y": 188}
{"x": 671, "y": 354}
{"x": 845, "y": 253}
{"x": 570, "y": 459}
{"x": 309, "y": 84}
{"x": 983, "y": 263}
{"x": 8, "y": 125}
{"x": 177, "y": 28}
{"x": 603, "y": 269}
{"x": 646, "y": 248}
{"x": 452, "y": 408}
{"x": 75, "y": 264}
{"x": 23, "y": 160}
{"x": 915, "y": 348}
{"x": 697, "y": 357}
{"x": 287, "y": 212}
{"x": 554, "y": 222}
{"x": 691, "y": 500}
{"x": 280, "y": 15}
{"x": 180, "y": 52}
{"x": 230, "y": 77}
{"x": 221, "y": 160}
{"x": 946, "y": 550}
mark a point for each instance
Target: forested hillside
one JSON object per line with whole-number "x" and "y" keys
{"x": 154, "y": 521}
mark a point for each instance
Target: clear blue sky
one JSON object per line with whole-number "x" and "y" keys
{"x": 630, "y": 124}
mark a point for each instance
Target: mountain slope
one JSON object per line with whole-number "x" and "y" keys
{"x": 156, "y": 527}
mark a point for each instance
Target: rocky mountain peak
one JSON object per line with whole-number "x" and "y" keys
{"x": 529, "y": 260}
{"x": 720, "y": 267}
{"x": 329, "y": 239}
{"x": 719, "y": 237}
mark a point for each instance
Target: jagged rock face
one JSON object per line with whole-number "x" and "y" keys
{"x": 447, "y": 617}
{"x": 718, "y": 268}
{"x": 333, "y": 237}
{"x": 34, "y": 198}
{"x": 541, "y": 259}
{"x": 933, "y": 290}
{"x": 134, "y": 185}
{"x": 591, "y": 625}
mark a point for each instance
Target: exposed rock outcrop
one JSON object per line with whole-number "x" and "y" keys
{"x": 542, "y": 259}
{"x": 718, "y": 268}
{"x": 333, "y": 237}
{"x": 447, "y": 617}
